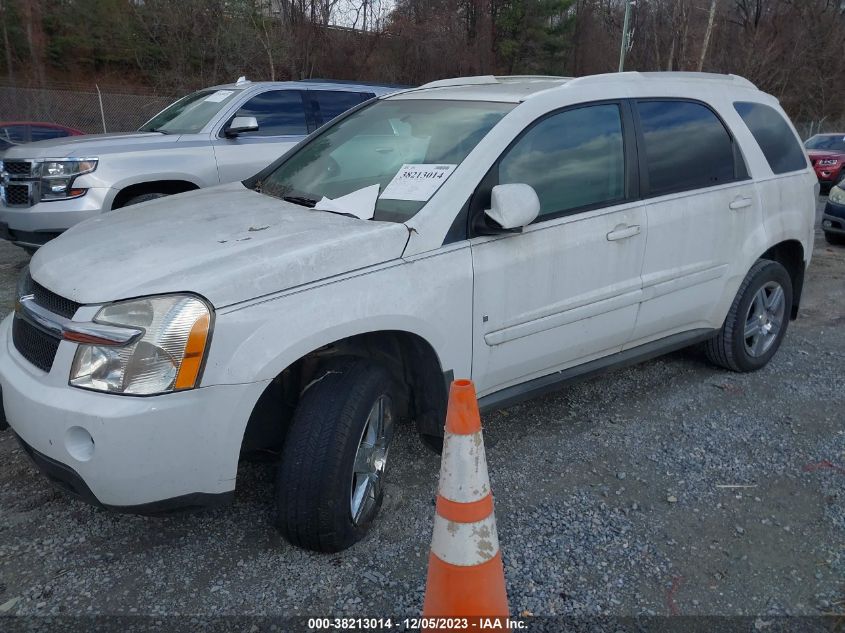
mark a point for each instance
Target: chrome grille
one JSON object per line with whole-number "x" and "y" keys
{"x": 16, "y": 195}
{"x": 17, "y": 167}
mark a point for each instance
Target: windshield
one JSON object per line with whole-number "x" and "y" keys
{"x": 190, "y": 114}
{"x": 831, "y": 142}
{"x": 370, "y": 146}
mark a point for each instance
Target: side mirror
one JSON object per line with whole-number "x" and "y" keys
{"x": 241, "y": 124}
{"x": 513, "y": 207}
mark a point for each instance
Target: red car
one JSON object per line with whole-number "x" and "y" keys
{"x": 18, "y": 132}
{"x": 827, "y": 153}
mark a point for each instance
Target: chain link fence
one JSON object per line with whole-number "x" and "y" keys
{"x": 92, "y": 109}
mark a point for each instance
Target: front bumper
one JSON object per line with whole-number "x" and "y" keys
{"x": 137, "y": 454}
{"x": 34, "y": 226}
{"x": 833, "y": 218}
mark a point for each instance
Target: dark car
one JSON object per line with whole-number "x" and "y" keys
{"x": 833, "y": 219}
{"x": 827, "y": 153}
{"x": 19, "y": 132}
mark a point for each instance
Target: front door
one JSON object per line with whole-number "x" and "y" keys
{"x": 281, "y": 125}
{"x": 566, "y": 289}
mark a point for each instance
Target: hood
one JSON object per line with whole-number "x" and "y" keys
{"x": 90, "y": 145}
{"x": 226, "y": 243}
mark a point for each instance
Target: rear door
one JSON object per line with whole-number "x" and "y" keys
{"x": 282, "y": 123}
{"x": 566, "y": 289}
{"x": 701, "y": 204}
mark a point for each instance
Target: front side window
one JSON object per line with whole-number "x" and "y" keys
{"x": 328, "y": 104}
{"x": 14, "y": 134}
{"x": 573, "y": 159}
{"x": 370, "y": 146}
{"x": 190, "y": 114}
{"x": 774, "y": 136}
{"x": 686, "y": 146}
{"x": 40, "y": 133}
{"x": 278, "y": 112}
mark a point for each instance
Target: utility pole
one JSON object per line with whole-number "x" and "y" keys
{"x": 625, "y": 34}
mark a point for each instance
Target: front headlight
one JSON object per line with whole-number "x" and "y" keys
{"x": 57, "y": 177}
{"x": 836, "y": 195}
{"x": 168, "y": 357}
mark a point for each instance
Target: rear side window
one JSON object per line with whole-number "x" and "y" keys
{"x": 686, "y": 146}
{"x": 774, "y": 136}
{"x": 573, "y": 159}
{"x": 327, "y": 104}
{"x": 278, "y": 112}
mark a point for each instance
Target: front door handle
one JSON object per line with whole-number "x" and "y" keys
{"x": 623, "y": 232}
{"x": 740, "y": 203}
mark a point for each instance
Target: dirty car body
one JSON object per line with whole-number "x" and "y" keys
{"x": 260, "y": 322}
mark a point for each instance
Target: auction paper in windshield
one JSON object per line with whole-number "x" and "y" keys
{"x": 417, "y": 182}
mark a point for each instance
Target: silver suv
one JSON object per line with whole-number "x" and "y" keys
{"x": 216, "y": 135}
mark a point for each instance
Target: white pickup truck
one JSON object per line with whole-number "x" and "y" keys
{"x": 212, "y": 136}
{"x": 518, "y": 231}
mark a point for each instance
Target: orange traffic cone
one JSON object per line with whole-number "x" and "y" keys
{"x": 466, "y": 577}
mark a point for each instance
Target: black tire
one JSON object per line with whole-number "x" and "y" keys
{"x": 835, "y": 239}
{"x": 144, "y": 197}
{"x": 314, "y": 479}
{"x": 728, "y": 348}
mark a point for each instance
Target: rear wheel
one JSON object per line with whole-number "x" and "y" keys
{"x": 330, "y": 482}
{"x": 834, "y": 238}
{"x": 757, "y": 320}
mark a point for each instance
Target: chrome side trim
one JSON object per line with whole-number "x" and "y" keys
{"x": 77, "y": 331}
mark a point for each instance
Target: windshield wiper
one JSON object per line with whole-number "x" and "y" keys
{"x": 301, "y": 200}
{"x": 158, "y": 129}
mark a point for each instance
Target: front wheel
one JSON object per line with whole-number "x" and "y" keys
{"x": 330, "y": 482}
{"x": 757, "y": 320}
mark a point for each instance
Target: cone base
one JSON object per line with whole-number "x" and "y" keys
{"x": 452, "y": 590}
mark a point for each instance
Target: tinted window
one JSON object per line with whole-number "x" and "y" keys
{"x": 831, "y": 142}
{"x": 14, "y": 134}
{"x": 278, "y": 112}
{"x": 572, "y": 159}
{"x": 43, "y": 133}
{"x": 686, "y": 146}
{"x": 774, "y": 136}
{"x": 328, "y": 104}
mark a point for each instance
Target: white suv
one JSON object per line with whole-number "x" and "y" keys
{"x": 520, "y": 231}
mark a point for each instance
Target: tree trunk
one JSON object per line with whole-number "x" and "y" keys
{"x": 7, "y": 47}
{"x": 707, "y": 35}
{"x": 35, "y": 38}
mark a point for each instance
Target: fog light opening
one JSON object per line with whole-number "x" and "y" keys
{"x": 79, "y": 444}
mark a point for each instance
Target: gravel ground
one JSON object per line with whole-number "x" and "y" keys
{"x": 668, "y": 488}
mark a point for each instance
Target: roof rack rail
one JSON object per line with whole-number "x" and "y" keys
{"x": 664, "y": 75}
{"x": 481, "y": 80}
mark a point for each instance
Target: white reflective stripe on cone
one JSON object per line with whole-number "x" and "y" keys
{"x": 463, "y": 470}
{"x": 465, "y": 544}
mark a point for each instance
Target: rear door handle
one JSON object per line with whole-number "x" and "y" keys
{"x": 623, "y": 232}
{"x": 740, "y": 203}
